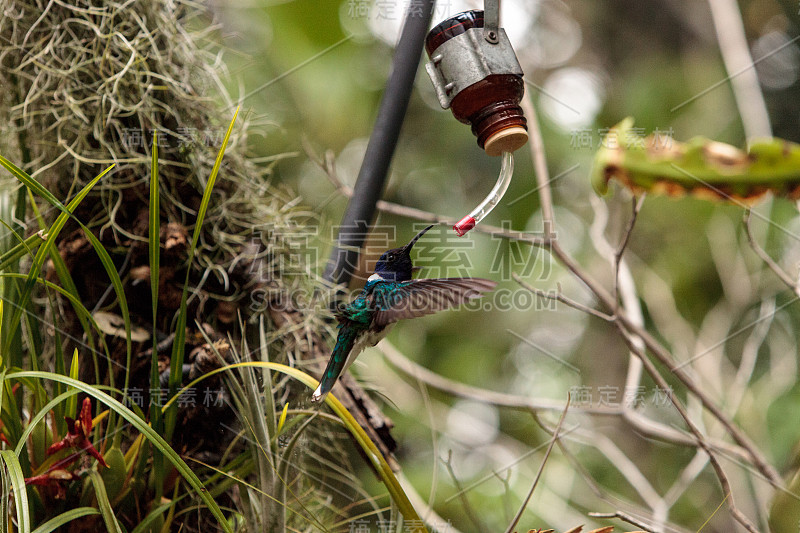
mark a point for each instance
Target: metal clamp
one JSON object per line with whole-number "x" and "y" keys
{"x": 467, "y": 59}
{"x": 491, "y": 20}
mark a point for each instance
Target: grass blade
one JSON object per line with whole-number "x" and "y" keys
{"x": 17, "y": 479}
{"x": 23, "y": 247}
{"x": 154, "y": 249}
{"x": 269, "y": 399}
{"x": 32, "y": 184}
{"x": 152, "y": 517}
{"x": 12, "y": 422}
{"x": 83, "y": 314}
{"x": 74, "y": 371}
{"x": 43, "y": 251}
{"x": 155, "y": 239}
{"x": 122, "y": 301}
{"x": 5, "y": 500}
{"x": 38, "y": 417}
{"x": 102, "y": 502}
{"x": 178, "y": 346}
{"x": 70, "y": 291}
{"x": 155, "y": 264}
{"x": 65, "y": 518}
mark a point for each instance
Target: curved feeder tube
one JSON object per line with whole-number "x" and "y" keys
{"x": 494, "y": 197}
{"x": 477, "y": 76}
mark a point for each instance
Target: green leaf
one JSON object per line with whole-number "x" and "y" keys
{"x": 39, "y": 416}
{"x": 269, "y": 399}
{"x": 166, "y": 526}
{"x": 102, "y": 502}
{"x": 20, "y": 493}
{"x": 114, "y": 476}
{"x": 5, "y": 500}
{"x": 154, "y": 248}
{"x": 20, "y": 249}
{"x": 10, "y": 410}
{"x": 155, "y": 235}
{"x": 178, "y": 344}
{"x": 74, "y": 372}
{"x": 43, "y": 251}
{"x": 65, "y": 518}
{"x": 82, "y": 313}
{"x": 70, "y": 291}
{"x": 122, "y": 301}
{"x": 32, "y": 184}
{"x": 40, "y": 440}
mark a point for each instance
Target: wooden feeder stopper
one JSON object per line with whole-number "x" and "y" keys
{"x": 506, "y": 140}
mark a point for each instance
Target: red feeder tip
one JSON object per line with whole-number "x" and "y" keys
{"x": 464, "y": 225}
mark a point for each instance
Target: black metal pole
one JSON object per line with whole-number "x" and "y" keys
{"x": 372, "y": 176}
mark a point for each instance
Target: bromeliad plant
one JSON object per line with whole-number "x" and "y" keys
{"x": 48, "y": 446}
{"x": 76, "y": 443}
{"x": 59, "y": 468}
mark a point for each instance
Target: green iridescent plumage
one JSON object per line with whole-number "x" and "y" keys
{"x": 391, "y": 295}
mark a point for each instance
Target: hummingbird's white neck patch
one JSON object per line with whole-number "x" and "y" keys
{"x": 375, "y": 277}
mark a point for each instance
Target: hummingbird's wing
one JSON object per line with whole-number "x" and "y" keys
{"x": 420, "y": 297}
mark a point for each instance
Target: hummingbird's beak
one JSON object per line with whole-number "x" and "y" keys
{"x": 407, "y": 247}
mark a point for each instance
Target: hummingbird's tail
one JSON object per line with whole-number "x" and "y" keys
{"x": 337, "y": 363}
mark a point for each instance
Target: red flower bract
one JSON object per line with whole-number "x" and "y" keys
{"x": 78, "y": 434}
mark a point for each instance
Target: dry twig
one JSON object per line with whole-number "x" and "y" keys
{"x": 516, "y": 519}
{"x": 775, "y": 267}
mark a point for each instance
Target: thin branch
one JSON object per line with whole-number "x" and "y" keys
{"x": 625, "y": 517}
{"x": 559, "y": 296}
{"x": 540, "y": 167}
{"x": 610, "y": 499}
{"x": 644, "y": 426}
{"x": 507, "y": 468}
{"x": 619, "y": 461}
{"x": 625, "y": 293}
{"x": 635, "y": 335}
{"x": 626, "y": 236}
{"x": 625, "y": 289}
{"x": 686, "y": 478}
{"x": 527, "y": 499}
{"x": 637, "y": 343}
{"x": 664, "y": 356}
{"x": 741, "y": 68}
{"x": 775, "y": 267}
{"x": 464, "y": 501}
{"x": 749, "y": 356}
{"x": 500, "y": 399}
{"x": 661, "y": 353}
{"x": 701, "y": 439}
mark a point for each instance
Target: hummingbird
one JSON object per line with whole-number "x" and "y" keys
{"x": 389, "y": 295}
